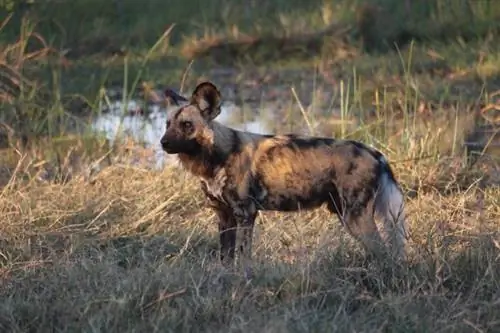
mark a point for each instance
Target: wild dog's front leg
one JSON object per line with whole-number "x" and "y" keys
{"x": 227, "y": 226}
{"x": 227, "y": 235}
{"x": 245, "y": 216}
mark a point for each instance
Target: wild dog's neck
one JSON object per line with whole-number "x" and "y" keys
{"x": 210, "y": 159}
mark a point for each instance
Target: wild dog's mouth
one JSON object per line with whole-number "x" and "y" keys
{"x": 190, "y": 147}
{"x": 169, "y": 150}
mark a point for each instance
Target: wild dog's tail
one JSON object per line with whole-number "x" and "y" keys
{"x": 389, "y": 206}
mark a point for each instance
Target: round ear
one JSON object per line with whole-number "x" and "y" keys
{"x": 208, "y": 98}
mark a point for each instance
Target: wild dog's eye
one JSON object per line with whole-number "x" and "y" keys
{"x": 187, "y": 125}
{"x": 168, "y": 123}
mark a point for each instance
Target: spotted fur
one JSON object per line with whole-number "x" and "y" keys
{"x": 242, "y": 173}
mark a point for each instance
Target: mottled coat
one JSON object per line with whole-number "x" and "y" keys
{"x": 242, "y": 173}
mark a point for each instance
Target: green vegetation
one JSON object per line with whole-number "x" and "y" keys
{"x": 90, "y": 241}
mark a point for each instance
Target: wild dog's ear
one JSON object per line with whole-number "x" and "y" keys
{"x": 174, "y": 97}
{"x": 208, "y": 98}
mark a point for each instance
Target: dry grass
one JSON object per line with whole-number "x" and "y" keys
{"x": 230, "y": 47}
{"x": 24, "y": 93}
{"x": 131, "y": 249}
{"x": 15, "y": 57}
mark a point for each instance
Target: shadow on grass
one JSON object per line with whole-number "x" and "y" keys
{"x": 132, "y": 283}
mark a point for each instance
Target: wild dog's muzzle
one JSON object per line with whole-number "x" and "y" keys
{"x": 167, "y": 146}
{"x": 172, "y": 145}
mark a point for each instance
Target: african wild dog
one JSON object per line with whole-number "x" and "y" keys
{"x": 242, "y": 173}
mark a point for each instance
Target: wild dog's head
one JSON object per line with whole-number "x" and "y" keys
{"x": 188, "y": 129}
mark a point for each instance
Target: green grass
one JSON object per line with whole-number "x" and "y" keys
{"x": 96, "y": 40}
{"x": 91, "y": 241}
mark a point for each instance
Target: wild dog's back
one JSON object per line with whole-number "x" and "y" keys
{"x": 305, "y": 172}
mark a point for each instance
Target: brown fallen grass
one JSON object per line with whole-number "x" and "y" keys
{"x": 224, "y": 49}
{"x": 133, "y": 250}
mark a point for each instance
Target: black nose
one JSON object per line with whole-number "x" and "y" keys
{"x": 164, "y": 142}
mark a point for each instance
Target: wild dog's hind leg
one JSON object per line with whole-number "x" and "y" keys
{"x": 360, "y": 223}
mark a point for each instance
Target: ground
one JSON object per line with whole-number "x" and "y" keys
{"x": 94, "y": 239}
